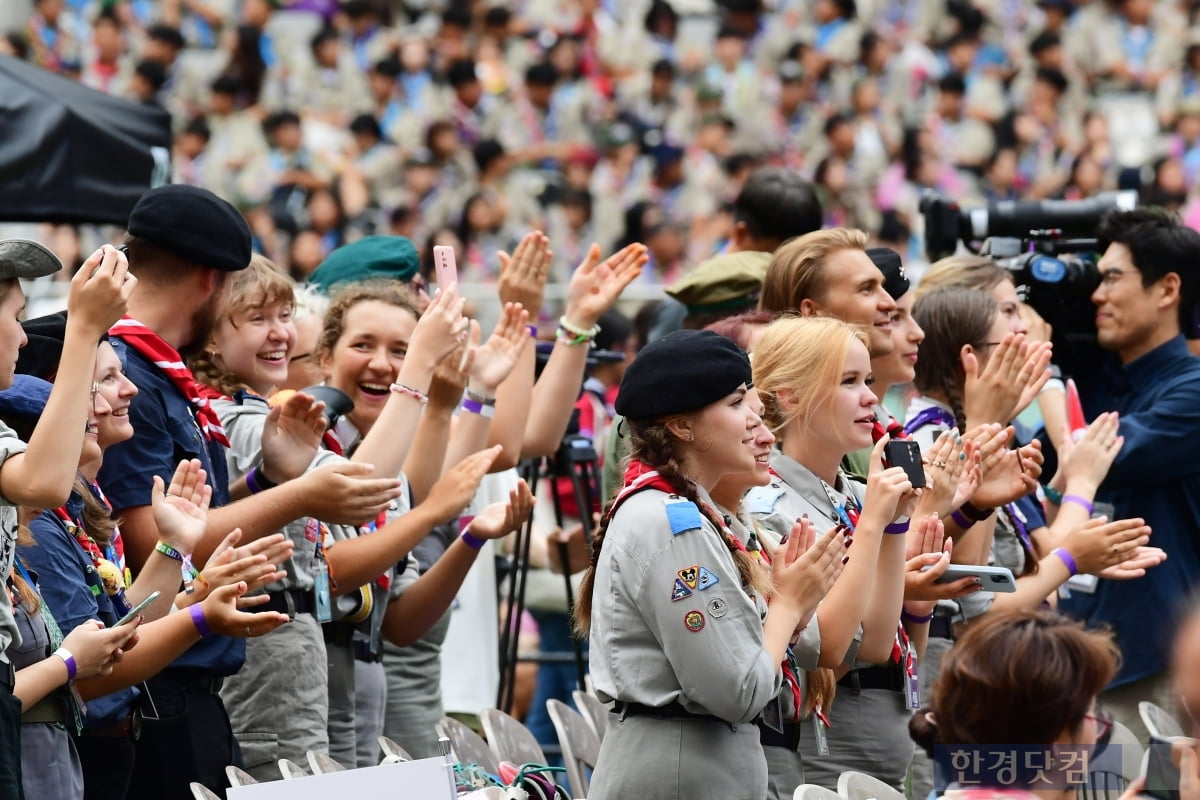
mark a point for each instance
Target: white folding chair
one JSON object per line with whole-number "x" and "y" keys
{"x": 1159, "y": 721}
{"x": 322, "y": 764}
{"x": 810, "y": 791}
{"x": 580, "y": 744}
{"x": 861, "y": 786}
{"x": 509, "y": 739}
{"x": 468, "y": 746}
{"x": 595, "y": 712}
{"x": 390, "y": 748}
{"x": 202, "y": 792}
{"x": 290, "y": 769}
{"x": 239, "y": 777}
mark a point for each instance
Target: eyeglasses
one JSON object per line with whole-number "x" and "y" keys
{"x": 1104, "y": 725}
{"x": 1111, "y": 277}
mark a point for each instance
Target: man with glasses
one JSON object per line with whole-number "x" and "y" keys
{"x": 1148, "y": 288}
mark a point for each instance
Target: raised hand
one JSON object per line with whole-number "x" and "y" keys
{"x": 1098, "y": 544}
{"x": 804, "y": 567}
{"x": 97, "y": 649}
{"x": 439, "y": 332}
{"x": 926, "y": 559}
{"x": 949, "y": 464}
{"x": 223, "y": 615}
{"x": 494, "y": 360}
{"x": 596, "y": 285}
{"x": 291, "y": 436}
{"x": 523, "y": 275}
{"x": 181, "y": 510}
{"x": 100, "y": 292}
{"x": 1089, "y": 459}
{"x": 450, "y": 495}
{"x": 451, "y": 374}
{"x": 1013, "y": 376}
{"x": 254, "y": 564}
{"x": 890, "y": 494}
{"x": 1007, "y": 474}
{"x": 342, "y": 493}
{"x": 500, "y": 519}
{"x": 1135, "y": 565}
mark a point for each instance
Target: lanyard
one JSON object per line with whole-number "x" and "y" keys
{"x": 846, "y": 509}
{"x": 931, "y": 415}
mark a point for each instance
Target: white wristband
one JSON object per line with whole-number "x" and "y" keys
{"x": 68, "y": 659}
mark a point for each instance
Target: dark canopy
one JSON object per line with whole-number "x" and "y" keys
{"x": 69, "y": 153}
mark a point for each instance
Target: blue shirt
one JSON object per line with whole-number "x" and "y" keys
{"x": 72, "y": 589}
{"x": 1155, "y": 477}
{"x": 164, "y": 433}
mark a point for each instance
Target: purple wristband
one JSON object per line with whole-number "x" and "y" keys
{"x": 533, "y": 331}
{"x": 914, "y": 619}
{"x": 1067, "y": 559}
{"x": 975, "y": 514}
{"x": 199, "y": 621}
{"x": 962, "y": 520}
{"x": 471, "y": 541}
{"x": 257, "y": 482}
{"x": 897, "y": 527}
{"x": 1081, "y": 501}
{"x": 69, "y": 660}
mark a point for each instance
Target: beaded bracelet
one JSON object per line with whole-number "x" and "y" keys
{"x": 400, "y": 388}
{"x": 1067, "y": 559}
{"x": 199, "y": 620}
{"x": 69, "y": 660}
{"x": 913, "y": 618}
{"x": 583, "y": 334}
{"x": 475, "y": 407}
{"x": 1080, "y": 501}
{"x": 570, "y": 339}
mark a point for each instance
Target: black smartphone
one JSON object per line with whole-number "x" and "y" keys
{"x": 1162, "y": 776}
{"x": 906, "y": 453}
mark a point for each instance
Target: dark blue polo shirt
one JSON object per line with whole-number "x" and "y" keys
{"x": 1156, "y": 477}
{"x": 164, "y": 433}
{"x": 72, "y": 589}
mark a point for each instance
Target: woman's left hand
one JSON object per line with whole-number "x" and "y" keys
{"x": 500, "y": 519}
{"x": 181, "y": 510}
{"x": 596, "y": 285}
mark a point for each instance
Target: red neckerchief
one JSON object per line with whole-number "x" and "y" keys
{"x": 170, "y": 363}
{"x": 75, "y": 528}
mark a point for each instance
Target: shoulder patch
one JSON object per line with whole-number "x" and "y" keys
{"x": 682, "y": 515}
{"x": 762, "y": 499}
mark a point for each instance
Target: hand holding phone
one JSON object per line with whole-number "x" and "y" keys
{"x": 906, "y": 454}
{"x": 445, "y": 266}
{"x": 137, "y": 610}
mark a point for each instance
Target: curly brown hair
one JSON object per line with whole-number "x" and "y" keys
{"x": 391, "y": 292}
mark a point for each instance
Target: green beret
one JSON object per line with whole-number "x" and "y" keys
{"x": 372, "y": 257}
{"x": 723, "y": 283}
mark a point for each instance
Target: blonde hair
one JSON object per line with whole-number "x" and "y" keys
{"x": 797, "y": 270}
{"x": 803, "y": 356}
{"x": 963, "y": 272}
{"x": 259, "y": 285}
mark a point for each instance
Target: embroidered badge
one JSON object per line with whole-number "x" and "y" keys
{"x": 680, "y": 591}
{"x": 717, "y": 607}
{"x": 694, "y": 621}
{"x": 689, "y": 575}
{"x": 682, "y": 515}
{"x": 707, "y": 579}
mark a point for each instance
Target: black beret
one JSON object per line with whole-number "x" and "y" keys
{"x": 41, "y": 355}
{"x": 194, "y": 224}
{"x": 683, "y": 371}
{"x": 895, "y": 282}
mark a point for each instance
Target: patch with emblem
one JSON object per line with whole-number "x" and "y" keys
{"x": 680, "y": 591}
{"x": 682, "y": 515}
{"x": 690, "y": 576}
{"x": 707, "y": 579}
{"x": 717, "y": 607}
{"x": 762, "y": 499}
{"x": 694, "y": 621}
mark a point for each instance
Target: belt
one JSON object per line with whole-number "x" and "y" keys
{"x": 940, "y": 627}
{"x": 889, "y": 677}
{"x": 362, "y": 652}
{"x": 48, "y": 709}
{"x": 789, "y": 738}
{"x": 339, "y": 633}
{"x": 290, "y": 602}
{"x": 8, "y": 676}
{"x": 128, "y": 728}
{"x": 194, "y": 681}
{"x": 672, "y": 710}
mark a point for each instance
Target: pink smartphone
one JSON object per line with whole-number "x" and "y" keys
{"x": 445, "y": 266}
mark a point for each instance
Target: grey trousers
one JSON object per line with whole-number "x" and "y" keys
{"x": 868, "y": 733}
{"x": 928, "y": 669}
{"x": 277, "y": 702}
{"x": 785, "y": 770}
{"x": 370, "y": 697}
{"x": 343, "y": 740}
{"x": 644, "y": 757}
{"x": 414, "y": 691}
{"x": 50, "y": 768}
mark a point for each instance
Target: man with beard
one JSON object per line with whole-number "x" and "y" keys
{"x": 182, "y": 242}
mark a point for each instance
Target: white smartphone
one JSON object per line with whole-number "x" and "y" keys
{"x": 993, "y": 579}
{"x": 445, "y": 266}
{"x": 138, "y": 609}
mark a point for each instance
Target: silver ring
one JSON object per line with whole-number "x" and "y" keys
{"x": 248, "y": 633}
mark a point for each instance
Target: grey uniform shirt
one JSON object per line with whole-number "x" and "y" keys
{"x": 10, "y": 445}
{"x": 670, "y": 619}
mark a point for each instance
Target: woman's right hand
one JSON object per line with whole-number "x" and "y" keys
{"x": 1012, "y": 377}
{"x": 1098, "y": 544}
{"x": 99, "y": 292}
{"x": 1089, "y": 459}
{"x": 888, "y": 489}
{"x": 97, "y": 649}
{"x": 439, "y": 331}
{"x": 523, "y": 275}
{"x": 804, "y": 568}
{"x": 253, "y": 563}
{"x": 450, "y": 495}
{"x": 222, "y": 611}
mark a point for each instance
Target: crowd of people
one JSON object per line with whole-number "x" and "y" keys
{"x": 297, "y": 441}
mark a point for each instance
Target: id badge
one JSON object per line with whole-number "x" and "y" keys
{"x": 820, "y": 735}
{"x": 912, "y": 681}
{"x": 378, "y": 610}
{"x": 321, "y": 598}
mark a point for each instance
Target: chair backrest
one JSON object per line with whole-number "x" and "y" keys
{"x": 1131, "y": 751}
{"x": 1158, "y": 721}
{"x": 239, "y": 777}
{"x": 810, "y": 791}
{"x": 391, "y": 748}
{"x": 322, "y": 764}
{"x": 580, "y": 745}
{"x": 290, "y": 769}
{"x": 861, "y": 786}
{"x": 202, "y": 792}
{"x": 469, "y": 747}
{"x": 593, "y": 711}
{"x": 509, "y": 739}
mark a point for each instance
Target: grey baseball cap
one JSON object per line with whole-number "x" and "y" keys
{"x": 21, "y": 258}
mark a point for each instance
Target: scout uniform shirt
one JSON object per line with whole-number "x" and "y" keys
{"x": 10, "y": 445}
